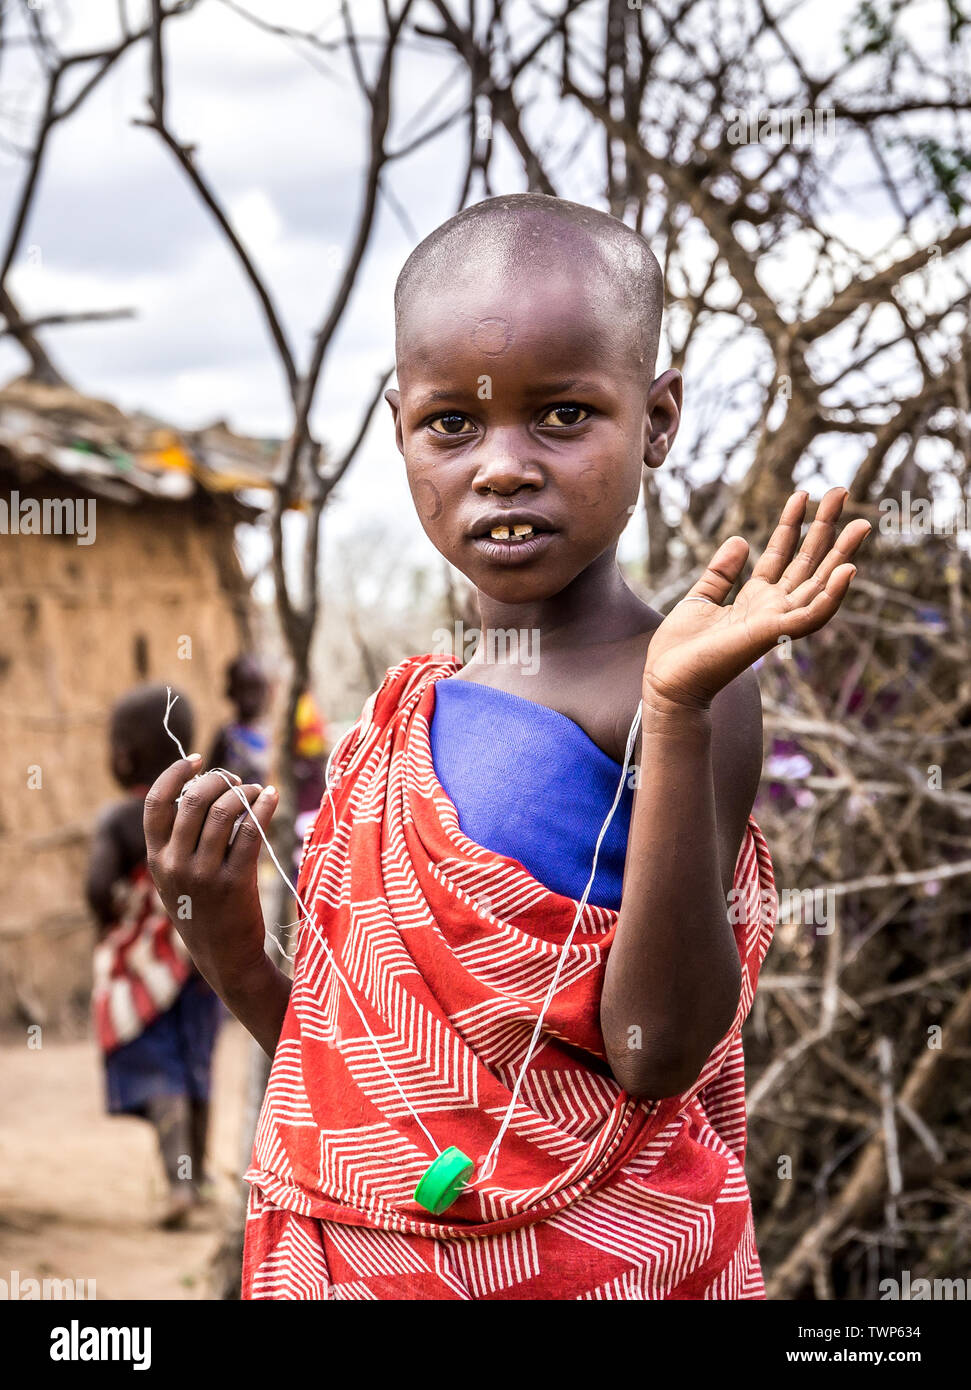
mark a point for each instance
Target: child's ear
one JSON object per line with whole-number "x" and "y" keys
{"x": 662, "y": 416}
{"x": 393, "y": 397}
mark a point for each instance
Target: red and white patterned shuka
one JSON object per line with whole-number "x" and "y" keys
{"x": 449, "y": 949}
{"x": 140, "y": 965}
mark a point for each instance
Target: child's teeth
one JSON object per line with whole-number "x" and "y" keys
{"x": 501, "y": 533}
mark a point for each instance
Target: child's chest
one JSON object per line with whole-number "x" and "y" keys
{"x": 597, "y": 687}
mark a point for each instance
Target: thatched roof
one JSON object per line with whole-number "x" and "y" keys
{"x": 128, "y": 457}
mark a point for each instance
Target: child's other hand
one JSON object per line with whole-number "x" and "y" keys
{"x": 702, "y": 646}
{"x": 208, "y": 886}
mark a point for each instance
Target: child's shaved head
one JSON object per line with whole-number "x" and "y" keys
{"x": 525, "y": 234}
{"x": 526, "y": 343}
{"x": 141, "y": 747}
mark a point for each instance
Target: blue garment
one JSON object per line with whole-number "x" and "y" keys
{"x": 172, "y": 1057}
{"x": 529, "y": 783}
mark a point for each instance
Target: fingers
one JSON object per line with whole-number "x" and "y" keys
{"x": 847, "y": 544}
{"x": 217, "y": 829}
{"x": 197, "y": 799}
{"x": 245, "y": 848}
{"x": 811, "y": 616}
{"x": 805, "y": 572}
{"x": 726, "y": 565}
{"x": 160, "y": 808}
{"x": 783, "y": 541}
{"x": 819, "y": 538}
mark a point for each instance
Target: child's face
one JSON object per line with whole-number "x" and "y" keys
{"x": 527, "y": 395}
{"x": 248, "y": 692}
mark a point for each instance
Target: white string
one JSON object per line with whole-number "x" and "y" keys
{"x": 488, "y": 1165}
{"x": 307, "y": 917}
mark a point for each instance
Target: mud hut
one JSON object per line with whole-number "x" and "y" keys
{"x": 117, "y": 566}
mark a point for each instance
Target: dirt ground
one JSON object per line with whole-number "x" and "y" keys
{"x": 79, "y": 1190}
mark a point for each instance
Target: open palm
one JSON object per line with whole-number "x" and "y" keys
{"x": 794, "y": 590}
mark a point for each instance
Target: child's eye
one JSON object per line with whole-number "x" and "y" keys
{"x": 565, "y": 415}
{"x": 452, "y": 424}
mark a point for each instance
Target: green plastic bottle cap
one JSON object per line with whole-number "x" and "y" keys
{"x": 443, "y": 1181}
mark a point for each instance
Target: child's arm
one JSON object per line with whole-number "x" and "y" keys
{"x": 673, "y": 976}
{"x": 209, "y": 890}
{"x": 106, "y": 867}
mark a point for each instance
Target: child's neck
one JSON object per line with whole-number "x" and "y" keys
{"x": 597, "y": 607}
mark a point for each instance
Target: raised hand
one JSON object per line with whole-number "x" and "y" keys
{"x": 703, "y": 644}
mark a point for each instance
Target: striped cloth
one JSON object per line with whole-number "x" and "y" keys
{"x": 140, "y": 965}
{"x": 447, "y": 949}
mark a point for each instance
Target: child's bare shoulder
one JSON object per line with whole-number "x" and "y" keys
{"x": 110, "y": 819}
{"x": 120, "y": 824}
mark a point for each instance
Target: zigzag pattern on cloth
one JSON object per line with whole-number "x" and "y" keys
{"x": 449, "y": 949}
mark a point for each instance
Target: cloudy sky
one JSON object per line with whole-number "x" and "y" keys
{"x": 278, "y": 132}
{"x": 116, "y": 224}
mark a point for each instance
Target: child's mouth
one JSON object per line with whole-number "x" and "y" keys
{"x": 512, "y": 545}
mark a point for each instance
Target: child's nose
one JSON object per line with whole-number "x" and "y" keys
{"x": 505, "y": 462}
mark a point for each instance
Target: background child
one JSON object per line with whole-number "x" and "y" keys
{"x": 242, "y": 746}
{"x": 155, "y": 1018}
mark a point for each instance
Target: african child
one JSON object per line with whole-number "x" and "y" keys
{"x": 449, "y": 912}
{"x": 155, "y": 1017}
{"x": 242, "y": 745}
